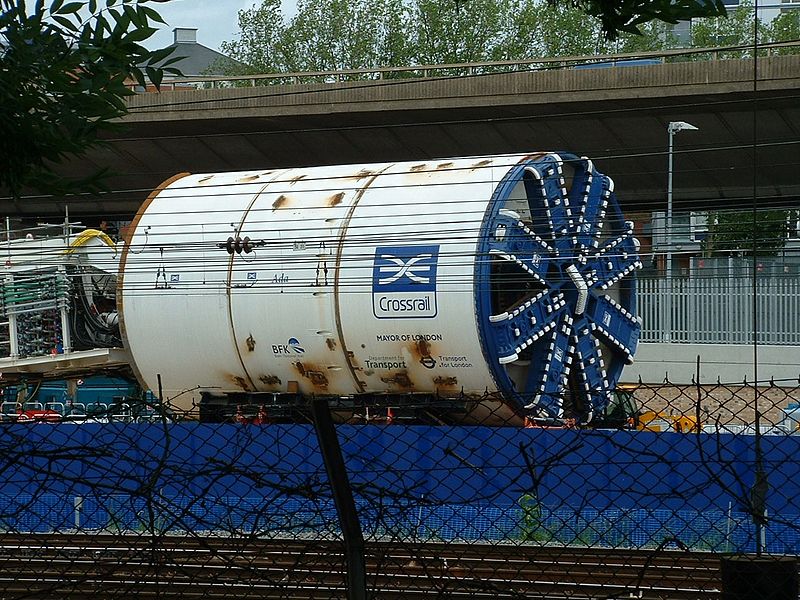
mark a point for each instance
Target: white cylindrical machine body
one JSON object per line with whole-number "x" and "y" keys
{"x": 505, "y": 282}
{"x": 360, "y": 279}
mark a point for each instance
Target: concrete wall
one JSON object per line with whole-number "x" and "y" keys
{"x": 729, "y": 363}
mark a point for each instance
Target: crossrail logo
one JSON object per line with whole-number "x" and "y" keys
{"x": 410, "y": 269}
{"x": 404, "y": 282}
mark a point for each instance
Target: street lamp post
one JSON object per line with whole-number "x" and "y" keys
{"x": 673, "y": 128}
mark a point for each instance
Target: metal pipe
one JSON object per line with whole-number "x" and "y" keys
{"x": 673, "y": 128}
{"x": 668, "y": 238}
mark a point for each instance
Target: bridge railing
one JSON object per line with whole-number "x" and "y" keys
{"x": 719, "y": 310}
{"x": 479, "y": 68}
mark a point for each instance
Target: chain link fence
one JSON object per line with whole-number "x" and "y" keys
{"x": 360, "y": 500}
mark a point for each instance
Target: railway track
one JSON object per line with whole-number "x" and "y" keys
{"x": 116, "y": 566}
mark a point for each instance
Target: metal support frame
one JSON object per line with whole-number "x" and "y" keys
{"x": 66, "y": 334}
{"x": 343, "y": 499}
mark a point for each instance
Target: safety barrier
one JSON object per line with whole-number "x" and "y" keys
{"x": 630, "y": 489}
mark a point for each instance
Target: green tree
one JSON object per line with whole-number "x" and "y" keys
{"x": 324, "y": 35}
{"x": 734, "y": 232}
{"x": 458, "y": 32}
{"x": 784, "y": 28}
{"x": 341, "y": 34}
{"x": 260, "y": 43}
{"x": 562, "y": 30}
{"x": 345, "y": 34}
{"x": 64, "y": 75}
{"x": 735, "y": 29}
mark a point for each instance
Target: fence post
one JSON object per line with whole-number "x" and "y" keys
{"x": 77, "y": 503}
{"x": 343, "y": 499}
{"x": 666, "y": 323}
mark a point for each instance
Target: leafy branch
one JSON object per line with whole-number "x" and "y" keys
{"x": 65, "y": 71}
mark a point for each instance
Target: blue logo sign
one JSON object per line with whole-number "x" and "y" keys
{"x": 294, "y": 344}
{"x": 174, "y": 277}
{"x": 405, "y": 268}
{"x": 404, "y": 282}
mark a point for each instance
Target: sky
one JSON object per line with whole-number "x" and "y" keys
{"x": 216, "y": 21}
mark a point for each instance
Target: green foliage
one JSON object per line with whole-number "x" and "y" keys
{"x": 736, "y": 29}
{"x": 733, "y": 232}
{"x": 324, "y": 35}
{"x": 340, "y": 34}
{"x": 627, "y": 16}
{"x": 532, "y": 527}
{"x": 261, "y": 33}
{"x": 64, "y": 75}
{"x": 562, "y": 30}
{"x": 451, "y": 32}
{"x": 784, "y": 28}
{"x": 369, "y": 34}
{"x": 343, "y": 34}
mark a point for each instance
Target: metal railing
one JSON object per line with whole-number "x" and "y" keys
{"x": 719, "y": 310}
{"x": 458, "y": 69}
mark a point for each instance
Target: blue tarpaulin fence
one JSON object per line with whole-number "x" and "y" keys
{"x": 598, "y": 488}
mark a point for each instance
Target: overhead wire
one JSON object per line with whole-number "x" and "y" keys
{"x": 596, "y": 159}
{"x": 309, "y": 230}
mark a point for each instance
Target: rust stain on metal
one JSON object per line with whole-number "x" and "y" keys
{"x": 363, "y": 174}
{"x": 330, "y": 343}
{"x": 336, "y": 199}
{"x": 444, "y": 165}
{"x": 482, "y": 163}
{"x": 422, "y": 351}
{"x": 533, "y": 156}
{"x": 317, "y": 378}
{"x": 247, "y": 179}
{"x": 445, "y": 381}
{"x": 292, "y": 387}
{"x": 352, "y": 360}
{"x": 270, "y": 380}
{"x": 251, "y": 343}
{"x": 313, "y": 373}
{"x": 400, "y": 379}
{"x": 294, "y": 180}
{"x": 206, "y": 178}
{"x": 424, "y": 347}
{"x": 417, "y": 168}
{"x": 280, "y": 202}
{"x": 240, "y": 382}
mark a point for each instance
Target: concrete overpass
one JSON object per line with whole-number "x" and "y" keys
{"x": 618, "y": 116}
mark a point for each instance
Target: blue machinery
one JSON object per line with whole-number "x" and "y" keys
{"x": 556, "y": 301}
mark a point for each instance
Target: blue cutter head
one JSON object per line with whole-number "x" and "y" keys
{"x": 556, "y": 288}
